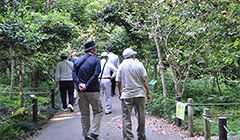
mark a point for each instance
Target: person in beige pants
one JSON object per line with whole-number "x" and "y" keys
{"x": 131, "y": 78}
{"x": 85, "y": 75}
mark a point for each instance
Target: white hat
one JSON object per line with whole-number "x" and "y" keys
{"x": 128, "y": 52}
{"x": 104, "y": 54}
{"x": 74, "y": 54}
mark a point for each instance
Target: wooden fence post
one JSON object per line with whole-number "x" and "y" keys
{"x": 190, "y": 117}
{"x": 52, "y": 98}
{"x": 222, "y": 121}
{"x": 178, "y": 121}
{"x": 35, "y": 110}
{"x": 207, "y": 129}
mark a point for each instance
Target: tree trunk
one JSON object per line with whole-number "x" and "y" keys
{"x": 155, "y": 73}
{"x": 21, "y": 71}
{"x": 216, "y": 75}
{"x": 176, "y": 84}
{"x": 12, "y": 52}
{"x": 35, "y": 78}
{"x": 48, "y": 7}
{"x": 162, "y": 72}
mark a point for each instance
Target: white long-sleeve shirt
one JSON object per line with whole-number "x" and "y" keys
{"x": 107, "y": 69}
{"x": 113, "y": 58}
{"x": 64, "y": 71}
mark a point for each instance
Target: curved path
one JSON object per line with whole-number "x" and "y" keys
{"x": 67, "y": 126}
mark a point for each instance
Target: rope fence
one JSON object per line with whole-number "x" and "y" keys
{"x": 223, "y": 131}
{"x": 228, "y": 132}
{"x": 26, "y": 92}
{"x": 35, "y": 107}
{"x": 209, "y": 120}
{"x": 8, "y": 117}
{"x": 23, "y": 88}
{"x": 206, "y": 116}
{"x": 222, "y": 123}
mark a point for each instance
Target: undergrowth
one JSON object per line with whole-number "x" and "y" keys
{"x": 201, "y": 91}
{"x": 18, "y": 125}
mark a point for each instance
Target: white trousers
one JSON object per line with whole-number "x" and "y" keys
{"x": 105, "y": 88}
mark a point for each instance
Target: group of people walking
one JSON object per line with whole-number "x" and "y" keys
{"x": 95, "y": 78}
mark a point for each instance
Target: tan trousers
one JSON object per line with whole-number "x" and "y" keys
{"x": 93, "y": 99}
{"x": 127, "y": 105}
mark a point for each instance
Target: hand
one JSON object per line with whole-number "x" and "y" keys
{"x": 149, "y": 98}
{"x": 57, "y": 84}
{"x": 111, "y": 78}
{"x": 82, "y": 87}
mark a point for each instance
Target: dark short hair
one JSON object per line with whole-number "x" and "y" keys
{"x": 110, "y": 49}
{"x": 104, "y": 56}
{"x": 87, "y": 51}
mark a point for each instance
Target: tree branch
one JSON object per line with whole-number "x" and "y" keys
{"x": 185, "y": 80}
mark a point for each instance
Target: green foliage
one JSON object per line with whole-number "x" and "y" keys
{"x": 8, "y": 132}
{"x": 21, "y": 126}
{"x": 187, "y": 30}
{"x": 201, "y": 90}
{"x": 4, "y": 101}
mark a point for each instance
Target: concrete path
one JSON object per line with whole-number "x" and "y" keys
{"x": 67, "y": 126}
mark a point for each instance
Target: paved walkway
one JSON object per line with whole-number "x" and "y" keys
{"x": 67, "y": 126}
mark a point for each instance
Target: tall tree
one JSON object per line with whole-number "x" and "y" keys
{"x": 182, "y": 28}
{"x": 31, "y": 34}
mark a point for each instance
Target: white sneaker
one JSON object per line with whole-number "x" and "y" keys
{"x": 71, "y": 108}
{"x": 64, "y": 109}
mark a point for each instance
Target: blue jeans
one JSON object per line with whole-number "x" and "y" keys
{"x": 65, "y": 86}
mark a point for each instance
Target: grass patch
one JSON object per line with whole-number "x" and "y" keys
{"x": 21, "y": 126}
{"x": 201, "y": 91}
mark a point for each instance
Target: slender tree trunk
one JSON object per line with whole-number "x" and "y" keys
{"x": 216, "y": 75}
{"x": 35, "y": 78}
{"x": 48, "y": 6}
{"x": 21, "y": 71}
{"x": 155, "y": 73}
{"x": 162, "y": 71}
{"x": 213, "y": 84}
{"x": 12, "y": 52}
{"x": 176, "y": 84}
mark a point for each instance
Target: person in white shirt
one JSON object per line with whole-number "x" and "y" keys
{"x": 105, "y": 81}
{"x": 65, "y": 82}
{"x": 131, "y": 78}
{"x": 113, "y": 58}
{"x": 75, "y": 93}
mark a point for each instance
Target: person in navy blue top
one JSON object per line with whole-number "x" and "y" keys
{"x": 85, "y": 74}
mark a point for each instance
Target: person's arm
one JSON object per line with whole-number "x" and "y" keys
{"x": 120, "y": 89}
{"x": 114, "y": 70}
{"x": 76, "y": 66}
{"x": 145, "y": 83}
{"x": 118, "y": 62}
{"x": 96, "y": 73}
{"x": 57, "y": 75}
